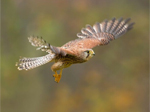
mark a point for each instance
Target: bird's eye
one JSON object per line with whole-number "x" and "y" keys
{"x": 88, "y": 51}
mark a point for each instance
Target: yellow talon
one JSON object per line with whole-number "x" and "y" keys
{"x": 57, "y": 76}
{"x": 57, "y": 79}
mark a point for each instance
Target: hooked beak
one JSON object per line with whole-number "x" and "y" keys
{"x": 93, "y": 54}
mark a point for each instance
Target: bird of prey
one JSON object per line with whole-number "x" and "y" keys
{"x": 78, "y": 50}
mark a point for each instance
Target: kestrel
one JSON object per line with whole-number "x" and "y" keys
{"x": 78, "y": 50}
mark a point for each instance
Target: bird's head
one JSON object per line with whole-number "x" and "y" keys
{"x": 88, "y": 54}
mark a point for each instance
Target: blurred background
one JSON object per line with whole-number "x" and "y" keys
{"x": 115, "y": 80}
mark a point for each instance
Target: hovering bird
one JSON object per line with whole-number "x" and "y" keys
{"x": 78, "y": 50}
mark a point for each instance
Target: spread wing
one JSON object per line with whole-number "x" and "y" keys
{"x": 100, "y": 34}
{"x": 42, "y": 45}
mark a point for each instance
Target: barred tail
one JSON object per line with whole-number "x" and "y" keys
{"x": 111, "y": 29}
{"x": 30, "y": 63}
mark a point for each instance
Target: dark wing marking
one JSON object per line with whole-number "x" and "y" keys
{"x": 106, "y": 31}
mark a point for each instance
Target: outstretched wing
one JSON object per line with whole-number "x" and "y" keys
{"x": 42, "y": 45}
{"x": 100, "y": 34}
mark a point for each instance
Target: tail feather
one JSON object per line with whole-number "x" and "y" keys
{"x": 30, "y": 63}
{"x": 111, "y": 29}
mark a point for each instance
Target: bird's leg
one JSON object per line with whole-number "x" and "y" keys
{"x": 55, "y": 75}
{"x": 58, "y": 76}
